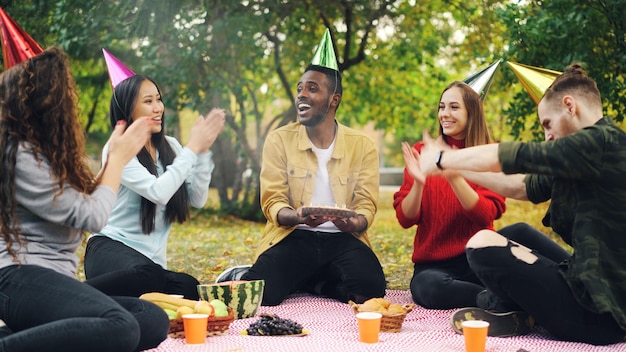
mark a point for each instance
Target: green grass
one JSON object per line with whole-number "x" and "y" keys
{"x": 207, "y": 244}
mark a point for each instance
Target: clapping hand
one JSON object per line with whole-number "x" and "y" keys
{"x": 205, "y": 130}
{"x": 412, "y": 163}
{"x": 125, "y": 143}
{"x": 428, "y": 155}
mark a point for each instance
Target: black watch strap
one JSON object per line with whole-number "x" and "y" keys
{"x": 438, "y": 161}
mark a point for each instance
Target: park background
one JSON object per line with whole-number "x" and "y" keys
{"x": 396, "y": 56}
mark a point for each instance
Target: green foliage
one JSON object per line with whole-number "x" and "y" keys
{"x": 247, "y": 56}
{"x": 590, "y": 32}
{"x": 395, "y": 57}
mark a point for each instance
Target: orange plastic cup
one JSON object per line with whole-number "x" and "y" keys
{"x": 475, "y": 333}
{"x": 195, "y": 326}
{"x": 369, "y": 326}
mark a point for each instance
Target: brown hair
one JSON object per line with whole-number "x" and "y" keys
{"x": 573, "y": 80}
{"x": 38, "y": 109}
{"x": 476, "y": 132}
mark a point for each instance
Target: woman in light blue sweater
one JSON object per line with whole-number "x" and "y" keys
{"x": 48, "y": 198}
{"x": 128, "y": 256}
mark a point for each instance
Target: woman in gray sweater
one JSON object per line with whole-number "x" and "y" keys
{"x": 48, "y": 199}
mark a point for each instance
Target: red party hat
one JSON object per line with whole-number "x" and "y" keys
{"x": 17, "y": 45}
{"x": 117, "y": 70}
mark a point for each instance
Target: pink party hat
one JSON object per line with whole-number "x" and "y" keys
{"x": 117, "y": 70}
{"x": 17, "y": 45}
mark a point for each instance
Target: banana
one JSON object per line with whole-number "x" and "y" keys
{"x": 166, "y": 305}
{"x": 164, "y": 300}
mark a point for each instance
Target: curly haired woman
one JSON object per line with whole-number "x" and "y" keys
{"x": 48, "y": 198}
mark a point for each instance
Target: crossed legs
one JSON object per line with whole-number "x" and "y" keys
{"x": 522, "y": 277}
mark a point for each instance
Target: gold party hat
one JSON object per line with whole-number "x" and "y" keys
{"x": 535, "y": 79}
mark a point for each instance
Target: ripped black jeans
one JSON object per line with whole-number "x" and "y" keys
{"x": 540, "y": 288}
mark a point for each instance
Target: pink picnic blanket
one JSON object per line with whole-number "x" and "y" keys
{"x": 332, "y": 327}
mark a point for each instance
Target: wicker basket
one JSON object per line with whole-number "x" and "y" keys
{"x": 389, "y": 322}
{"x": 216, "y": 326}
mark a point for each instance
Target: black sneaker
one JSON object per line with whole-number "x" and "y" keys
{"x": 489, "y": 301}
{"x": 513, "y": 323}
{"x": 233, "y": 273}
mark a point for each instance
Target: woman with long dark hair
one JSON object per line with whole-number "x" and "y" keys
{"x": 128, "y": 256}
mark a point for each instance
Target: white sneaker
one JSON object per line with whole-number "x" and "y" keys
{"x": 233, "y": 273}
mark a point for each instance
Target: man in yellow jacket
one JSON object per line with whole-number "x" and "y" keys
{"x": 317, "y": 162}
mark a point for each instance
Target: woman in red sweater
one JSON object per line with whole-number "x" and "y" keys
{"x": 446, "y": 208}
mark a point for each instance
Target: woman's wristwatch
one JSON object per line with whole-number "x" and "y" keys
{"x": 438, "y": 160}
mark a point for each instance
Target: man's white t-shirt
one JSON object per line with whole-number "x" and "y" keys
{"x": 322, "y": 194}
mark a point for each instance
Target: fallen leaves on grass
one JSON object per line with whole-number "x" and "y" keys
{"x": 207, "y": 244}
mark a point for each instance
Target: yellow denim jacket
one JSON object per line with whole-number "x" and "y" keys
{"x": 288, "y": 176}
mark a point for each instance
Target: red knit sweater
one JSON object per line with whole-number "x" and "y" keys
{"x": 443, "y": 226}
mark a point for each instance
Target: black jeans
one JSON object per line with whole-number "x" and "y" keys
{"x": 47, "y": 311}
{"x": 445, "y": 284}
{"x": 336, "y": 265}
{"x": 118, "y": 270}
{"x": 540, "y": 289}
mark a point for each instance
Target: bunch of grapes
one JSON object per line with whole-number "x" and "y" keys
{"x": 271, "y": 324}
